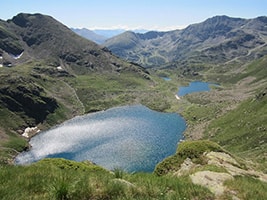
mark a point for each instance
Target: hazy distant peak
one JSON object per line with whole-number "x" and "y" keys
{"x": 90, "y": 35}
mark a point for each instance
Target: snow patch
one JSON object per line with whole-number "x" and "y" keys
{"x": 59, "y": 68}
{"x": 30, "y": 131}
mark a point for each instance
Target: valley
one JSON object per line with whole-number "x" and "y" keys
{"x": 58, "y": 78}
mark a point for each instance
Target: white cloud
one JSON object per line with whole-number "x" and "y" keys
{"x": 124, "y": 27}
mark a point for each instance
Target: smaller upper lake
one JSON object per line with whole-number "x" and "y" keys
{"x": 195, "y": 86}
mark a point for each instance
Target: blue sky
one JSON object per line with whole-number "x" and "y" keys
{"x": 134, "y": 14}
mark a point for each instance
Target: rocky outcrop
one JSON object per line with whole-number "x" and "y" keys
{"x": 212, "y": 180}
{"x": 232, "y": 166}
{"x": 227, "y": 168}
{"x": 186, "y": 167}
{"x": 28, "y": 99}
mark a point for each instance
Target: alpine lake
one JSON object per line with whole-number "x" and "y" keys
{"x": 133, "y": 138}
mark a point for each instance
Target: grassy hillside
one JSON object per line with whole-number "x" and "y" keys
{"x": 243, "y": 130}
{"x": 234, "y": 114}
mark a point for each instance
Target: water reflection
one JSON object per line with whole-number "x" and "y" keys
{"x": 134, "y": 138}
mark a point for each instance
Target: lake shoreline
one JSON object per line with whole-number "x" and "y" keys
{"x": 95, "y": 113}
{"x": 153, "y": 126}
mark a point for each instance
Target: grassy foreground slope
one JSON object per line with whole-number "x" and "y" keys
{"x": 63, "y": 179}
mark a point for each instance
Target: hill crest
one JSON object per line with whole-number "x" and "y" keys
{"x": 28, "y": 37}
{"x": 219, "y": 39}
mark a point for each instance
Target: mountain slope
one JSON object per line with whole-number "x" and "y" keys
{"x": 148, "y": 49}
{"x": 41, "y": 37}
{"x": 218, "y": 39}
{"x": 49, "y": 74}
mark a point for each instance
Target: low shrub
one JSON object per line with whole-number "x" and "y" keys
{"x": 195, "y": 149}
{"x": 187, "y": 149}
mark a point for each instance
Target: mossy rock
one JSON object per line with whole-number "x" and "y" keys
{"x": 195, "y": 149}
{"x": 187, "y": 149}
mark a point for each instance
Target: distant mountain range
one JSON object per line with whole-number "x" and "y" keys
{"x": 99, "y": 36}
{"x": 217, "y": 40}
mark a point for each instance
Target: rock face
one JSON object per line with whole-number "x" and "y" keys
{"x": 212, "y": 180}
{"x": 232, "y": 166}
{"x": 186, "y": 167}
{"x": 29, "y": 99}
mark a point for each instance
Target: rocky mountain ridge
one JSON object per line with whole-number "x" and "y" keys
{"x": 28, "y": 37}
{"x": 220, "y": 39}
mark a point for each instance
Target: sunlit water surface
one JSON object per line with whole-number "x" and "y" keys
{"x": 133, "y": 138}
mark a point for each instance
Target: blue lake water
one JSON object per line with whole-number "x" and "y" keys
{"x": 133, "y": 138}
{"x": 196, "y": 86}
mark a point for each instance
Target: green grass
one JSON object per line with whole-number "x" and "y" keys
{"x": 118, "y": 172}
{"x": 101, "y": 91}
{"x": 10, "y": 147}
{"x": 151, "y": 186}
{"x": 247, "y": 188}
{"x": 62, "y": 179}
{"x": 17, "y": 143}
{"x": 195, "y": 149}
{"x": 255, "y": 69}
{"x": 243, "y": 131}
{"x": 13, "y": 120}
